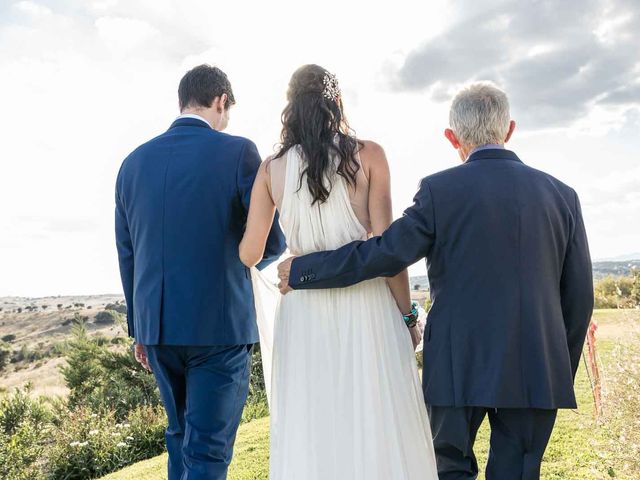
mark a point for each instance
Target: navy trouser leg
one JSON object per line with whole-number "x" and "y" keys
{"x": 454, "y": 432}
{"x": 217, "y": 388}
{"x": 203, "y": 390}
{"x": 168, "y": 365}
{"x": 519, "y": 438}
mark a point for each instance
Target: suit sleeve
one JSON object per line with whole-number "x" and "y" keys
{"x": 576, "y": 289}
{"x": 407, "y": 240}
{"x": 247, "y": 171}
{"x": 125, "y": 257}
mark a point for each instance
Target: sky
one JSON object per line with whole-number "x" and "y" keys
{"x": 82, "y": 83}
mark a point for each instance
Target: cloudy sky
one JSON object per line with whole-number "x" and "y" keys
{"x": 83, "y": 82}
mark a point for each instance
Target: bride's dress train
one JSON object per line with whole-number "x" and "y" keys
{"x": 346, "y": 401}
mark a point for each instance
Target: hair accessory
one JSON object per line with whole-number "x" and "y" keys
{"x": 331, "y": 87}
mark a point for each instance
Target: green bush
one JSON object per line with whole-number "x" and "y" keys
{"x": 100, "y": 378}
{"x": 89, "y": 445}
{"x": 20, "y": 453}
{"x": 5, "y": 356}
{"x": 107, "y": 317}
{"x": 119, "y": 307}
{"x": 21, "y": 408}
{"x": 617, "y": 292}
{"x": 27, "y": 355}
{"x": 8, "y": 338}
{"x": 256, "y": 406}
{"x": 24, "y": 426}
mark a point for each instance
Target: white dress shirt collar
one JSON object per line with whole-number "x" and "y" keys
{"x": 193, "y": 115}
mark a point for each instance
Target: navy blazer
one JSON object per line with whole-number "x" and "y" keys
{"x": 510, "y": 277}
{"x": 181, "y": 208}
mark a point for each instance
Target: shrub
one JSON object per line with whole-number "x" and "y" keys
{"x": 20, "y": 452}
{"x": 26, "y": 355}
{"x": 9, "y": 338}
{"x": 119, "y": 307}
{"x": 90, "y": 445}
{"x": 615, "y": 292}
{"x": 635, "y": 289}
{"x": 99, "y": 378}
{"x": 24, "y": 427}
{"x": 21, "y": 408}
{"x": 5, "y": 355}
{"x": 256, "y": 406}
{"x": 106, "y": 317}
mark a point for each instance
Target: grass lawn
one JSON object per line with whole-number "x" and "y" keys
{"x": 580, "y": 448}
{"x": 250, "y": 459}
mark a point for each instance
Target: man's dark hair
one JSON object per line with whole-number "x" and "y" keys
{"x": 201, "y": 85}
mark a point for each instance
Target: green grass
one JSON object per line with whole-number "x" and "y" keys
{"x": 578, "y": 450}
{"x": 250, "y": 459}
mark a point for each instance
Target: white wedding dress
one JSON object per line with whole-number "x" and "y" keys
{"x": 345, "y": 397}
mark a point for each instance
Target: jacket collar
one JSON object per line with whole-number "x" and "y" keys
{"x": 493, "y": 154}
{"x": 189, "y": 122}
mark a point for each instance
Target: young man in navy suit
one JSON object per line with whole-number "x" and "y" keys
{"x": 510, "y": 278}
{"x": 181, "y": 205}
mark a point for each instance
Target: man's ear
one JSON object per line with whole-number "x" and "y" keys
{"x": 512, "y": 127}
{"x": 452, "y": 138}
{"x": 222, "y": 102}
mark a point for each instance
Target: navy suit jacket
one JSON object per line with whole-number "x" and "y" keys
{"x": 510, "y": 277}
{"x": 181, "y": 207}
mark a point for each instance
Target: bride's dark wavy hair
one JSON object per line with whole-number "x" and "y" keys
{"x": 318, "y": 125}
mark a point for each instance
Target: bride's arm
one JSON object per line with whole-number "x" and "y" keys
{"x": 259, "y": 221}
{"x": 381, "y": 214}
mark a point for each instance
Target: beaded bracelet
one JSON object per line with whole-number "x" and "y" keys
{"x": 411, "y": 318}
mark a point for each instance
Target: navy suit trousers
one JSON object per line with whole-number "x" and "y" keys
{"x": 203, "y": 390}
{"x": 519, "y": 437}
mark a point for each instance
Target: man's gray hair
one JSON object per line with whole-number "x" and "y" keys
{"x": 479, "y": 115}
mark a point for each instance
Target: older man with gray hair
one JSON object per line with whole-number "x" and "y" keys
{"x": 510, "y": 276}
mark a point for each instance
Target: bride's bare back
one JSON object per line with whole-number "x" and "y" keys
{"x": 370, "y": 200}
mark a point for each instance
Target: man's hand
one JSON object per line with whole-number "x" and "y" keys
{"x": 416, "y": 335}
{"x": 284, "y": 269}
{"x": 141, "y": 356}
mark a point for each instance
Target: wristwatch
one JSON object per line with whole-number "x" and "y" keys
{"x": 411, "y": 318}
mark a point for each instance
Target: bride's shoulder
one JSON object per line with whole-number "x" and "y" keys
{"x": 372, "y": 155}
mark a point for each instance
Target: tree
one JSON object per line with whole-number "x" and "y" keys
{"x": 100, "y": 378}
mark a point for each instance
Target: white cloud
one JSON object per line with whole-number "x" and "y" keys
{"x": 125, "y": 34}
{"x": 83, "y": 83}
{"x": 33, "y": 8}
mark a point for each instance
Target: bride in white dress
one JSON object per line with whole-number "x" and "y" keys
{"x": 346, "y": 401}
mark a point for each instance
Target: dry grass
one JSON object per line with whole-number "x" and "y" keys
{"x": 39, "y": 330}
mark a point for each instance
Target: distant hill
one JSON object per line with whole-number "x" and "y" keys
{"x": 621, "y": 258}
{"x": 601, "y": 269}
{"x": 34, "y": 331}
{"x": 620, "y": 268}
